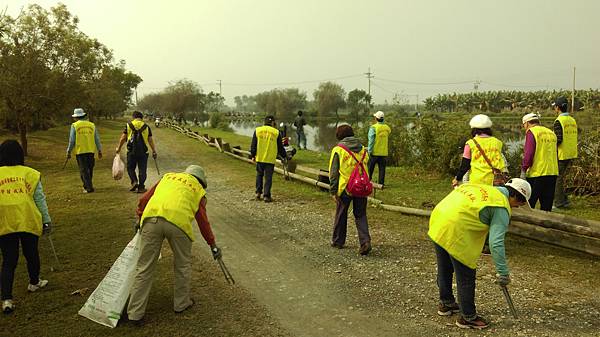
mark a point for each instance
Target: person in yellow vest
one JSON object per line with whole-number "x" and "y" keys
{"x": 23, "y": 218}
{"x": 379, "y": 134}
{"x": 540, "y": 161}
{"x": 138, "y": 136}
{"x": 473, "y": 161}
{"x": 167, "y": 210}
{"x": 458, "y": 227}
{"x": 85, "y": 140}
{"x": 565, "y": 129}
{"x": 266, "y": 146}
{"x": 341, "y": 165}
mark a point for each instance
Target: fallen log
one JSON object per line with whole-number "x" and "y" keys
{"x": 557, "y": 221}
{"x": 557, "y": 237}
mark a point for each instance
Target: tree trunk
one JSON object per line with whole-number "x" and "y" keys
{"x": 23, "y": 136}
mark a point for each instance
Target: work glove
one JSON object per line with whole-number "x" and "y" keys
{"x": 454, "y": 183}
{"x": 154, "y": 155}
{"x": 99, "y": 154}
{"x": 46, "y": 228}
{"x": 216, "y": 252}
{"x": 523, "y": 175}
{"x": 502, "y": 280}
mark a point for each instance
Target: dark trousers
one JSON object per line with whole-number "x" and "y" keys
{"x": 301, "y": 138}
{"x": 465, "y": 283}
{"x": 86, "y": 162}
{"x": 141, "y": 162}
{"x": 560, "y": 197}
{"x": 381, "y": 162}
{"x": 340, "y": 222}
{"x": 9, "y": 244}
{"x": 542, "y": 189}
{"x": 266, "y": 170}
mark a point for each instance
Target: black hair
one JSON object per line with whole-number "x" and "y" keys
{"x": 564, "y": 107}
{"x": 137, "y": 114}
{"x": 475, "y": 132}
{"x": 300, "y": 112}
{"x": 11, "y": 153}
{"x": 343, "y": 131}
{"x": 269, "y": 119}
{"x": 513, "y": 193}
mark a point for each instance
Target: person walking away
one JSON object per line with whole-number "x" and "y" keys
{"x": 266, "y": 145}
{"x": 341, "y": 165}
{"x": 473, "y": 159}
{"x": 299, "y": 124}
{"x": 138, "y": 136}
{"x": 84, "y": 138}
{"x": 378, "y": 146}
{"x": 540, "y": 161}
{"x": 167, "y": 210}
{"x": 23, "y": 218}
{"x": 565, "y": 129}
{"x": 458, "y": 227}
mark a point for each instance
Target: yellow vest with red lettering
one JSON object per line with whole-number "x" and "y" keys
{"x": 176, "y": 199}
{"x": 545, "y": 160}
{"x": 138, "y": 124}
{"x": 18, "y": 212}
{"x": 455, "y": 225}
{"x": 84, "y": 137}
{"x": 481, "y": 172}
{"x": 266, "y": 145}
{"x": 568, "y": 148}
{"x": 347, "y": 164}
{"x": 382, "y": 133}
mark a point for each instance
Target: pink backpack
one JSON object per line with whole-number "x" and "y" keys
{"x": 359, "y": 184}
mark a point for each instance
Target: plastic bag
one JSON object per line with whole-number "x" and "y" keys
{"x": 107, "y": 302}
{"x": 118, "y": 168}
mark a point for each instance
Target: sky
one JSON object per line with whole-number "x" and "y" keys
{"x": 412, "y": 47}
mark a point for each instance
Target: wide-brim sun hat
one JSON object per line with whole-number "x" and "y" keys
{"x": 198, "y": 172}
{"x": 78, "y": 112}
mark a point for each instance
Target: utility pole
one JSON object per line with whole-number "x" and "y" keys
{"x": 476, "y": 85}
{"x": 219, "y": 82}
{"x": 369, "y": 76}
{"x": 573, "y": 93}
{"x": 417, "y": 104}
{"x": 136, "y": 100}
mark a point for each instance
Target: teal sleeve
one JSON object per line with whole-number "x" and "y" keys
{"x": 97, "y": 140}
{"x": 371, "y": 140}
{"x": 40, "y": 201}
{"x": 499, "y": 219}
{"x": 71, "y": 139}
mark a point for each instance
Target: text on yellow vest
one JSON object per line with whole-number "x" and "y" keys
{"x": 138, "y": 123}
{"x": 176, "y": 199}
{"x": 382, "y": 132}
{"x": 545, "y": 160}
{"x": 455, "y": 225}
{"x": 481, "y": 172}
{"x": 18, "y": 212}
{"x": 84, "y": 137}
{"x": 347, "y": 164}
{"x": 568, "y": 148}
{"x": 266, "y": 144}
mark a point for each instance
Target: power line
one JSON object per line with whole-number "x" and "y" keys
{"x": 424, "y": 83}
{"x": 294, "y": 83}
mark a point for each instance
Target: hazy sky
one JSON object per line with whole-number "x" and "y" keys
{"x": 412, "y": 47}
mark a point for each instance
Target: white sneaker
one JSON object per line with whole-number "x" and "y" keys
{"x": 34, "y": 287}
{"x": 8, "y": 306}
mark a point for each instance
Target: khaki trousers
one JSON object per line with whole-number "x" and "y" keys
{"x": 154, "y": 231}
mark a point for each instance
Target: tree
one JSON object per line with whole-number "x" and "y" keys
{"x": 358, "y": 101}
{"x": 281, "y": 103}
{"x": 329, "y": 97}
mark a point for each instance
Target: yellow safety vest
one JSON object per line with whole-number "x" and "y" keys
{"x": 266, "y": 147}
{"x": 138, "y": 123}
{"x": 347, "y": 164}
{"x": 568, "y": 148}
{"x": 481, "y": 172}
{"x": 18, "y": 212}
{"x": 84, "y": 137}
{"x": 455, "y": 224}
{"x": 382, "y": 132}
{"x": 545, "y": 160}
{"x": 177, "y": 200}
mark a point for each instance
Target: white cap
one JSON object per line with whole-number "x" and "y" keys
{"x": 530, "y": 117}
{"x": 378, "y": 114}
{"x": 480, "y": 121}
{"x": 78, "y": 113}
{"x": 521, "y": 186}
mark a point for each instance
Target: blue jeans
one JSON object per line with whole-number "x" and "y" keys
{"x": 266, "y": 170}
{"x": 465, "y": 283}
{"x": 301, "y": 138}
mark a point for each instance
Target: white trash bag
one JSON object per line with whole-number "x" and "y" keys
{"x": 118, "y": 168}
{"x": 107, "y": 302}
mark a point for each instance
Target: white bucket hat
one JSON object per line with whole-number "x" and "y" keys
{"x": 78, "y": 113}
{"x": 378, "y": 114}
{"x": 530, "y": 117}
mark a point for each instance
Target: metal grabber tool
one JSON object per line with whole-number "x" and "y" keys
{"x": 58, "y": 265}
{"x": 225, "y": 271}
{"x": 156, "y": 164}
{"x": 511, "y": 305}
{"x": 65, "y": 164}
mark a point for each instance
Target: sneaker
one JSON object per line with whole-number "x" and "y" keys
{"x": 8, "y": 306}
{"x": 365, "y": 248}
{"x": 186, "y": 308}
{"x": 268, "y": 199}
{"x": 34, "y": 287}
{"x": 137, "y": 322}
{"x": 336, "y": 245}
{"x": 133, "y": 188}
{"x": 477, "y": 323}
{"x": 141, "y": 189}
{"x": 258, "y": 196}
{"x": 448, "y": 310}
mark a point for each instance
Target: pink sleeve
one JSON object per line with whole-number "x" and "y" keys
{"x": 467, "y": 152}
